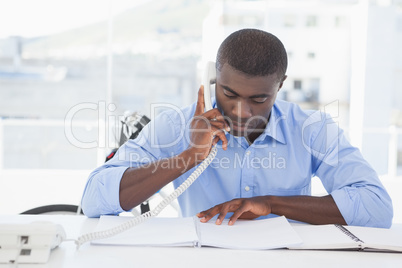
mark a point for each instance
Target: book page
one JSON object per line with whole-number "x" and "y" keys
{"x": 324, "y": 237}
{"x": 378, "y": 238}
{"x": 153, "y": 232}
{"x": 248, "y": 234}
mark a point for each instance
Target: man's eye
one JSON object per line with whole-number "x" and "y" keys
{"x": 259, "y": 100}
{"x": 228, "y": 94}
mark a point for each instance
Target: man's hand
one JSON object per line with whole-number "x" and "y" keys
{"x": 309, "y": 209}
{"x": 242, "y": 208}
{"x": 206, "y": 129}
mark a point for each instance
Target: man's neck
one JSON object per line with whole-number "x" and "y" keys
{"x": 257, "y": 132}
{"x": 253, "y": 136}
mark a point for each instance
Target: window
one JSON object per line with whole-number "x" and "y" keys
{"x": 311, "y": 21}
{"x": 289, "y": 20}
{"x": 243, "y": 20}
{"x": 65, "y": 84}
{"x": 297, "y": 84}
{"x": 48, "y": 77}
{"x": 399, "y": 23}
{"x": 341, "y": 22}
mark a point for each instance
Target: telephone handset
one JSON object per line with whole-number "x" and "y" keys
{"x": 208, "y": 79}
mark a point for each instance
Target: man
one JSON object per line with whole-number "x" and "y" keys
{"x": 268, "y": 151}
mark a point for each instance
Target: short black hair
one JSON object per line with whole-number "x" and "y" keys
{"x": 253, "y": 52}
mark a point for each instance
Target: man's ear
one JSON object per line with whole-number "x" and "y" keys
{"x": 283, "y": 80}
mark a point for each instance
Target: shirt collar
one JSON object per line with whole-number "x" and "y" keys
{"x": 274, "y": 129}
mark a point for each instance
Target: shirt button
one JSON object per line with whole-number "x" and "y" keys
{"x": 248, "y": 153}
{"x": 247, "y": 188}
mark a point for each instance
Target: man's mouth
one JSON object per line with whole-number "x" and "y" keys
{"x": 238, "y": 126}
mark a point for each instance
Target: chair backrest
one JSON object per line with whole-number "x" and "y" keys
{"x": 131, "y": 126}
{"x": 64, "y": 209}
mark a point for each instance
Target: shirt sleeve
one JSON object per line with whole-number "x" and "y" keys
{"x": 352, "y": 182}
{"x": 157, "y": 140}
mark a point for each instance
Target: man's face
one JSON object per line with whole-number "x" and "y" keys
{"x": 246, "y": 101}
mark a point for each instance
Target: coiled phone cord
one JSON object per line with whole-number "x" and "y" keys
{"x": 143, "y": 217}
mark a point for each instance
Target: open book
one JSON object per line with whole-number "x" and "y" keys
{"x": 255, "y": 234}
{"x": 349, "y": 237}
{"x": 244, "y": 234}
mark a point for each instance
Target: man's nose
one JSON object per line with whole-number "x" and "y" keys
{"x": 242, "y": 109}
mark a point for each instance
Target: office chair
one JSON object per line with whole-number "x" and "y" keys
{"x": 55, "y": 209}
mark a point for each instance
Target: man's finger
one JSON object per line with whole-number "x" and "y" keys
{"x": 217, "y": 117}
{"x": 221, "y": 135}
{"x": 202, "y": 213}
{"x": 210, "y": 213}
{"x": 222, "y": 214}
{"x": 215, "y": 140}
{"x": 237, "y": 213}
{"x": 199, "y": 109}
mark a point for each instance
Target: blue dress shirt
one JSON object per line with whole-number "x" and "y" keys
{"x": 295, "y": 146}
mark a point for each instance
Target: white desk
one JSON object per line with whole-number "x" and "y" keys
{"x": 66, "y": 254}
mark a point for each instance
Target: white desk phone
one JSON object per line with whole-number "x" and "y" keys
{"x": 29, "y": 243}
{"x": 32, "y": 243}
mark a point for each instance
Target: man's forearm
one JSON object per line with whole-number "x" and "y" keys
{"x": 138, "y": 184}
{"x": 310, "y": 209}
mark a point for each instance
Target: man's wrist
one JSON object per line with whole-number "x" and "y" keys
{"x": 190, "y": 157}
{"x": 273, "y": 203}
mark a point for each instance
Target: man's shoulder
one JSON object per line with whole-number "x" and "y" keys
{"x": 291, "y": 110}
{"x": 298, "y": 120}
{"x": 178, "y": 115}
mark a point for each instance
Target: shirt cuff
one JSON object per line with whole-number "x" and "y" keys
{"x": 109, "y": 188}
{"x": 351, "y": 207}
